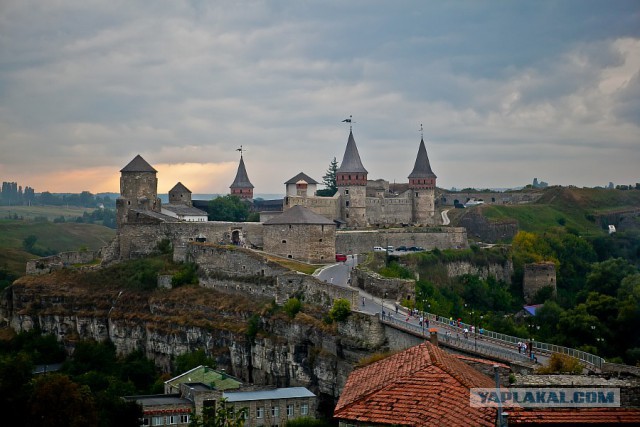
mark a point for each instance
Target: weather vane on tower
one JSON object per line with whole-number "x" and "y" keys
{"x": 421, "y": 132}
{"x": 241, "y": 150}
{"x": 350, "y": 121}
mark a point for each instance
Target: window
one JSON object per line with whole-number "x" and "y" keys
{"x": 145, "y": 422}
{"x": 284, "y": 241}
{"x": 289, "y": 410}
{"x": 157, "y": 421}
{"x": 184, "y": 418}
{"x": 304, "y": 409}
{"x": 172, "y": 419}
{"x": 275, "y": 411}
{"x": 347, "y": 203}
{"x": 260, "y": 412}
{"x": 346, "y": 192}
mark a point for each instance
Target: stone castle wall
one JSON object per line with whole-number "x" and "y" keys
{"x": 138, "y": 240}
{"x": 378, "y": 286}
{"x": 498, "y": 198}
{"x": 358, "y": 241}
{"x": 396, "y": 210}
{"x": 56, "y": 262}
{"x": 312, "y": 243}
{"x": 328, "y": 207}
{"x": 243, "y": 271}
{"x": 536, "y": 277}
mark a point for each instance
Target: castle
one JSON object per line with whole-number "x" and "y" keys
{"x": 360, "y": 203}
{"x": 306, "y": 226}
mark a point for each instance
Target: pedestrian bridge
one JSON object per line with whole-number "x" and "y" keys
{"x": 489, "y": 344}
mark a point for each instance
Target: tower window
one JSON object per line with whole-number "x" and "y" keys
{"x": 347, "y": 203}
{"x": 346, "y": 192}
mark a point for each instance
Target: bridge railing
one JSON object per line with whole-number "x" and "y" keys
{"x": 588, "y": 358}
{"x": 470, "y": 343}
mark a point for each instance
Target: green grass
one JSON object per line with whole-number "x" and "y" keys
{"x": 51, "y": 212}
{"x": 57, "y": 237}
{"x": 568, "y": 207}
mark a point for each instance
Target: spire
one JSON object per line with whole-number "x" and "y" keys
{"x": 242, "y": 179}
{"x": 422, "y": 168}
{"x": 351, "y": 162}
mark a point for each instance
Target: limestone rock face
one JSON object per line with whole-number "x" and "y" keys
{"x": 167, "y": 323}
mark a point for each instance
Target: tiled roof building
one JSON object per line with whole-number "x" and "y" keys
{"x": 421, "y": 386}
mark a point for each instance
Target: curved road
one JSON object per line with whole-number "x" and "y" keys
{"x": 445, "y": 217}
{"x": 339, "y": 273}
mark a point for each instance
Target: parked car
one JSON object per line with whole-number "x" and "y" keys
{"x": 401, "y": 248}
{"x": 341, "y": 257}
{"x": 415, "y": 249}
{"x": 379, "y": 249}
{"x": 390, "y": 248}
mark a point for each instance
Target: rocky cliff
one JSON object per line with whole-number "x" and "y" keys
{"x": 277, "y": 350}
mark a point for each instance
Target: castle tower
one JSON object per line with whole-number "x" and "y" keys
{"x": 351, "y": 180}
{"x": 138, "y": 189}
{"x": 241, "y": 186}
{"x": 180, "y": 195}
{"x": 422, "y": 184}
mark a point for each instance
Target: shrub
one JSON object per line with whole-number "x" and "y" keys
{"x": 292, "y": 307}
{"x": 561, "y": 364}
{"x": 187, "y": 275}
{"x": 341, "y": 310}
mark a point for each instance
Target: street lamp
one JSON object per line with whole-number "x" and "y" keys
{"x": 532, "y": 327}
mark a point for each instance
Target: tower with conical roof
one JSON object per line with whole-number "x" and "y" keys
{"x": 351, "y": 180}
{"x": 241, "y": 186}
{"x": 138, "y": 189}
{"x": 422, "y": 184}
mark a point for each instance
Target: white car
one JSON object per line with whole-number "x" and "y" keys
{"x": 379, "y": 249}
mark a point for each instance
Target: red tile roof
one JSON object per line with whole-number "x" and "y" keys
{"x": 418, "y": 387}
{"x": 573, "y": 416}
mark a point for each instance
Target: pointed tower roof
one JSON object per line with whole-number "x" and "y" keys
{"x": 138, "y": 164}
{"x": 179, "y": 188}
{"x": 351, "y": 161}
{"x": 422, "y": 168}
{"x": 242, "y": 179}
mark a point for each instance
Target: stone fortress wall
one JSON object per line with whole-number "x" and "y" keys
{"x": 536, "y": 277}
{"x": 235, "y": 269}
{"x": 48, "y": 264}
{"x": 359, "y": 241}
{"x": 393, "y": 210}
{"x": 494, "y": 197}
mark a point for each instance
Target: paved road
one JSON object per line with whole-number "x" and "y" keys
{"x": 338, "y": 274}
{"x": 445, "y": 217}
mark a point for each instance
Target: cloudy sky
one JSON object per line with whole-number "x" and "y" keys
{"x": 506, "y": 90}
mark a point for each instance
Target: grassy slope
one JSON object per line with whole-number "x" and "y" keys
{"x": 51, "y": 212}
{"x": 571, "y": 204}
{"x": 59, "y": 237}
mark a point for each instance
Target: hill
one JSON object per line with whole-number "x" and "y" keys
{"x": 583, "y": 209}
{"x": 51, "y": 238}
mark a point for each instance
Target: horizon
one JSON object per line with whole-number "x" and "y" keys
{"x": 501, "y": 92}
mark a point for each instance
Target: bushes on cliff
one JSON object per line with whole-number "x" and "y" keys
{"x": 292, "y": 307}
{"x": 187, "y": 275}
{"x": 341, "y": 310}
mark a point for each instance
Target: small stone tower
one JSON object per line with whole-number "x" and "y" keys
{"x": 351, "y": 180}
{"x": 241, "y": 186}
{"x": 138, "y": 189}
{"x": 180, "y": 195}
{"x": 422, "y": 184}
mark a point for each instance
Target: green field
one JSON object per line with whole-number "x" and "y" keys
{"x": 577, "y": 208}
{"x": 50, "y": 212}
{"x": 60, "y": 237}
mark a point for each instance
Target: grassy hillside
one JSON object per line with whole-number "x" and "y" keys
{"x": 50, "y": 237}
{"x": 50, "y": 212}
{"x": 570, "y": 207}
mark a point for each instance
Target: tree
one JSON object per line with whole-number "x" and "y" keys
{"x": 58, "y": 401}
{"x": 606, "y": 276}
{"x": 228, "y": 208}
{"x": 29, "y": 242}
{"x": 329, "y": 180}
{"x": 292, "y": 307}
